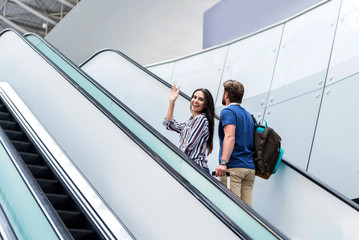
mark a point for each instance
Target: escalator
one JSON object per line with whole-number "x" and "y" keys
{"x": 61, "y": 200}
{"x": 222, "y": 202}
{"x": 140, "y": 187}
{"x": 122, "y": 77}
{"x": 63, "y": 194}
{"x": 286, "y": 192}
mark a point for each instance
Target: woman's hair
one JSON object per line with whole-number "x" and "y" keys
{"x": 209, "y": 111}
{"x": 235, "y": 90}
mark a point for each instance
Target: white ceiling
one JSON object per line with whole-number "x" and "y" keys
{"x": 147, "y": 31}
{"x": 37, "y": 16}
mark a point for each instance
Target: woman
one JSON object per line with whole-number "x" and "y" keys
{"x": 196, "y": 134}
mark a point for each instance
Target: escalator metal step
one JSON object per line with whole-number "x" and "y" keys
{"x": 15, "y": 135}
{"x": 5, "y": 116}
{"x": 8, "y": 125}
{"x": 22, "y": 146}
{"x": 32, "y": 158}
{"x": 40, "y": 171}
{"x": 72, "y": 219}
{"x": 50, "y": 185}
{"x": 61, "y": 202}
{"x": 82, "y": 234}
{"x": 2, "y": 107}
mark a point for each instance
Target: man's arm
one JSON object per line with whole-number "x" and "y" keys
{"x": 228, "y": 145}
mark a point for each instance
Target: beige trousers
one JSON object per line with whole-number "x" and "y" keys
{"x": 241, "y": 183}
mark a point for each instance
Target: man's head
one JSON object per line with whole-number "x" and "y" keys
{"x": 233, "y": 92}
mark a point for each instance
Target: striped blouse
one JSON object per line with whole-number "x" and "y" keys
{"x": 193, "y": 137}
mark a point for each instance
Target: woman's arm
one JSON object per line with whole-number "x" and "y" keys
{"x": 170, "y": 122}
{"x": 172, "y": 99}
{"x": 173, "y": 125}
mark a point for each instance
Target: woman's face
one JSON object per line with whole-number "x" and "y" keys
{"x": 198, "y": 102}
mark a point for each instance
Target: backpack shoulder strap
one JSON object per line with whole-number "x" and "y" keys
{"x": 255, "y": 121}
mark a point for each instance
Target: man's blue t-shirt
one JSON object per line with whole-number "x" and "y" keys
{"x": 242, "y": 155}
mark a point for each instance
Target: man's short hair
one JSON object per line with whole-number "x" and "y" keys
{"x": 235, "y": 90}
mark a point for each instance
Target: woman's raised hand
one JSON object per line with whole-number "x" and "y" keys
{"x": 172, "y": 99}
{"x": 174, "y": 93}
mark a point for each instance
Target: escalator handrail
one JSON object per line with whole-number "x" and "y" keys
{"x": 166, "y": 142}
{"x": 323, "y": 185}
{"x": 134, "y": 63}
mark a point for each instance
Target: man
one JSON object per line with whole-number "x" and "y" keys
{"x": 236, "y": 129}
